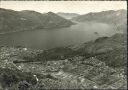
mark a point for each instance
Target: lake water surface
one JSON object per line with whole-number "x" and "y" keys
{"x": 45, "y": 39}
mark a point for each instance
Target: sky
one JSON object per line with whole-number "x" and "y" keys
{"x": 80, "y": 7}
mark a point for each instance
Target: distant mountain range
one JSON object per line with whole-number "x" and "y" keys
{"x": 117, "y": 18}
{"x": 67, "y": 15}
{"x": 12, "y": 21}
{"x": 30, "y": 20}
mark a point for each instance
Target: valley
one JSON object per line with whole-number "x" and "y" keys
{"x": 62, "y": 50}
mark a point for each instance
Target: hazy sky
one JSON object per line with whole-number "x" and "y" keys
{"x": 80, "y": 7}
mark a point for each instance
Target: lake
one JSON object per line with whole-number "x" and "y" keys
{"x": 46, "y": 39}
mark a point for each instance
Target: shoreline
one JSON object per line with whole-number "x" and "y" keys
{"x": 14, "y": 31}
{"x": 31, "y": 30}
{"x": 10, "y": 32}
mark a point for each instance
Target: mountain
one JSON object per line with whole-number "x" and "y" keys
{"x": 67, "y": 15}
{"x": 104, "y": 16}
{"x": 111, "y": 50}
{"x": 117, "y": 18}
{"x": 30, "y": 20}
{"x": 103, "y": 44}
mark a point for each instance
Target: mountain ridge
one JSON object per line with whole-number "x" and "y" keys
{"x": 117, "y": 18}
{"x": 11, "y": 20}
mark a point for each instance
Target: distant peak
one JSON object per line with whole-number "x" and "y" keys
{"x": 28, "y": 11}
{"x": 51, "y": 13}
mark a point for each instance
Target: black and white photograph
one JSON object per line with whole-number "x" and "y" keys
{"x": 63, "y": 44}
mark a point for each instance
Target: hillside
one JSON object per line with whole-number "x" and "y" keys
{"x": 103, "y": 44}
{"x": 67, "y": 15}
{"x": 96, "y": 64}
{"x": 117, "y": 18}
{"x": 30, "y": 20}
